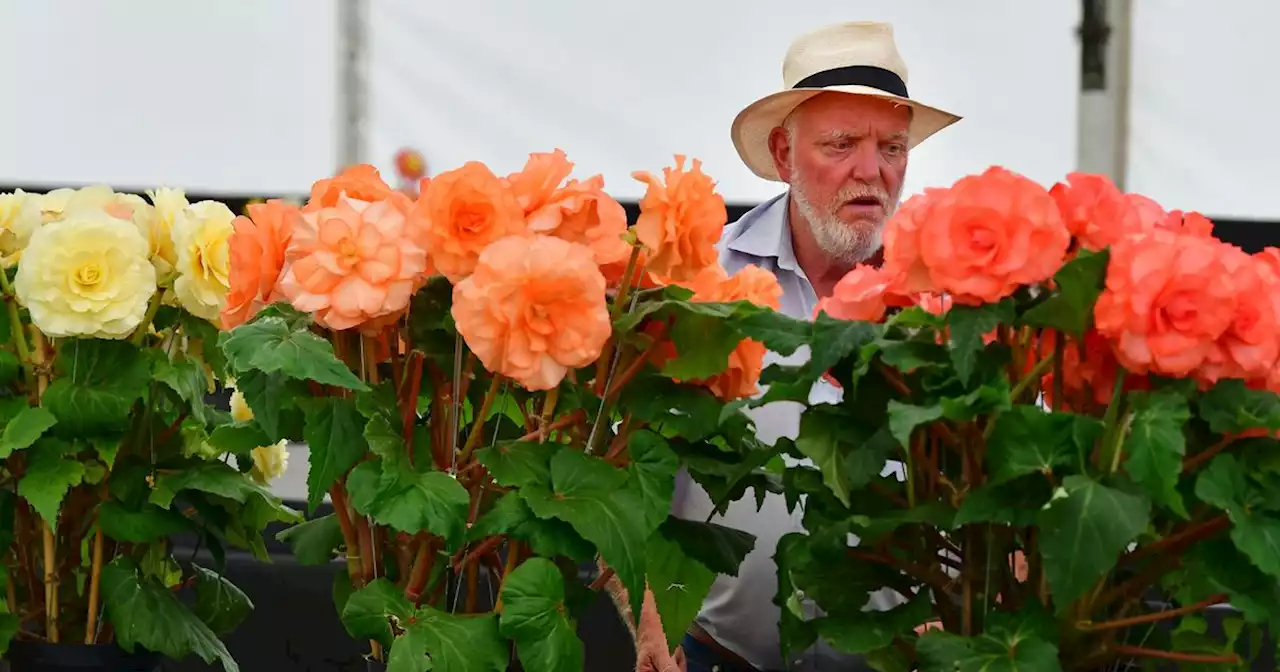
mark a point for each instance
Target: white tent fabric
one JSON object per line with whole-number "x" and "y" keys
{"x": 1202, "y": 129}
{"x": 624, "y": 86}
{"x": 234, "y": 96}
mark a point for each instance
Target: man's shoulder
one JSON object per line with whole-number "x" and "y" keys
{"x": 740, "y": 226}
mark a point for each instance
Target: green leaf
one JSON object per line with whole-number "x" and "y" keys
{"x": 273, "y": 398}
{"x": 720, "y": 549}
{"x": 146, "y": 613}
{"x": 23, "y": 430}
{"x": 366, "y": 612}
{"x": 519, "y": 463}
{"x": 1256, "y": 532}
{"x": 98, "y": 383}
{"x": 689, "y": 411}
{"x": 453, "y": 643}
{"x": 1226, "y": 570}
{"x": 991, "y": 652}
{"x": 271, "y": 344}
{"x": 1231, "y": 407}
{"x": 511, "y": 516}
{"x": 1027, "y": 440}
{"x": 703, "y": 343}
{"x": 315, "y": 541}
{"x": 1070, "y": 307}
{"x": 653, "y": 470}
{"x": 863, "y": 632}
{"x": 142, "y": 526}
{"x": 778, "y": 332}
{"x": 588, "y": 494}
{"x": 535, "y": 617}
{"x": 411, "y": 502}
{"x": 10, "y": 367}
{"x": 335, "y": 439}
{"x": 51, "y": 472}
{"x": 187, "y": 378}
{"x": 904, "y": 418}
{"x": 833, "y": 340}
{"x": 220, "y": 604}
{"x": 679, "y": 584}
{"x": 968, "y": 324}
{"x": 1083, "y": 532}
{"x": 9, "y": 626}
{"x": 215, "y": 478}
{"x": 238, "y": 438}
{"x": 819, "y": 440}
{"x": 1014, "y": 502}
{"x": 1156, "y": 446}
{"x": 908, "y": 356}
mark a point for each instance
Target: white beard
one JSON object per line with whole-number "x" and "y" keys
{"x": 847, "y": 244}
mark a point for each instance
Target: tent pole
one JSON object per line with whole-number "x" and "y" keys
{"x": 1102, "y": 144}
{"x": 352, "y": 90}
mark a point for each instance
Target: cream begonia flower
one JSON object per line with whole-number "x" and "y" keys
{"x": 19, "y": 218}
{"x": 86, "y": 275}
{"x": 158, "y": 229}
{"x": 240, "y": 411}
{"x": 269, "y": 462}
{"x": 200, "y": 234}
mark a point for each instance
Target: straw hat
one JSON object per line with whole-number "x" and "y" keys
{"x": 858, "y": 58}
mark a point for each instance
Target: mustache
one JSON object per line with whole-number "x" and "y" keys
{"x": 856, "y": 191}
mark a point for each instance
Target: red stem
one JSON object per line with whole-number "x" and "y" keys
{"x": 1195, "y": 461}
{"x": 1139, "y": 652}
{"x": 1155, "y": 616}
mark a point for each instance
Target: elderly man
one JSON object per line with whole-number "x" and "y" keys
{"x": 839, "y": 135}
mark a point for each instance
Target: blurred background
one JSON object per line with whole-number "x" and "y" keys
{"x": 244, "y": 99}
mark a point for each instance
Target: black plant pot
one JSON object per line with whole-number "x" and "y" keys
{"x": 374, "y": 665}
{"x": 39, "y": 657}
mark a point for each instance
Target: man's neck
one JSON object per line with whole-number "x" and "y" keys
{"x": 822, "y": 271}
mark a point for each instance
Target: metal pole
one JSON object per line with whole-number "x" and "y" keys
{"x": 1105, "y": 65}
{"x": 352, "y": 85}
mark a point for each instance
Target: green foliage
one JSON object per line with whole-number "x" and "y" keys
{"x": 535, "y": 617}
{"x": 943, "y": 462}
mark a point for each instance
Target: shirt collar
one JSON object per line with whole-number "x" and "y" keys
{"x": 766, "y": 233}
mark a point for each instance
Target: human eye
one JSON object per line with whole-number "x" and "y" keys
{"x": 895, "y": 149}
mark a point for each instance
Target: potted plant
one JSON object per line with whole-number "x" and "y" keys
{"x": 486, "y": 379}
{"x": 108, "y": 445}
{"x": 1056, "y": 445}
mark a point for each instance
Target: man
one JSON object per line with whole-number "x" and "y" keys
{"x": 839, "y": 135}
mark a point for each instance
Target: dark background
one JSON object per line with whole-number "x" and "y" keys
{"x": 294, "y": 626}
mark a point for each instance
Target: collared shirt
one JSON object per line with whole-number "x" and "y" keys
{"x": 739, "y": 611}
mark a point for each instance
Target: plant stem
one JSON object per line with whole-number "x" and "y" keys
{"x": 95, "y": 581}
{"x": 50, "y": 583}
{"x": 338, "y": 495}
{"x": 1155, "y": 617}
{"x": 365, "y": 537}
{"x": 548, "y": 410}
{"x": 1037, "y": 372}
{"x": 1117, "y": 425}
{"x": 1059, "y": 357}
{"x": 477, "y": 424}
{"x": 1139, "y": 652}
{"x": 559, "y": 423}
{"x": 15, "y": 326}
{"x": 513, "y": 560}
{"x": 1196, "y": 461}
{"x": 422, "y": 564}
{"x": 603, "y": 579}
{"x": 144, "y": 328}
{"x": 473, "y": 585}
{"x": 1190, "y": 533}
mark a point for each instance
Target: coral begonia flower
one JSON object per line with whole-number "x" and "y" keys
{"x": 681, "y": 219}
{"x": 353, "y": 264}
{"x": 533, "y": 309}
{"x": 257, "y": 258}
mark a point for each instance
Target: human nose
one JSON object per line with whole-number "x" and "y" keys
{"x": 866, "y": 163}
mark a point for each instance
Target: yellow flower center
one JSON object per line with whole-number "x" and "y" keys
{"x": 88, "y": 275}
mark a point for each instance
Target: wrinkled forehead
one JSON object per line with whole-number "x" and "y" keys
{"x": 841, "y": 114}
